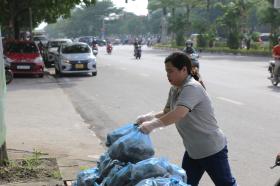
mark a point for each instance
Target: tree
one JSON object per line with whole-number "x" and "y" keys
{"x": 15, "y": 15}
{"x": 85, "y": 20}
{"x": 179, "y": 12}
{"x": 234, "y": 21}
{"x": 271, "y": 16}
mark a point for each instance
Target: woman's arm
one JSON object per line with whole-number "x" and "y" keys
{"x": 166, "y": 119}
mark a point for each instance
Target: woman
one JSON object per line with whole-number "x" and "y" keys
{"x": 190, "y": 108}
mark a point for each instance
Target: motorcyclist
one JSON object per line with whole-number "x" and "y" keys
{"x": 276, "y": 56}
{"x": 189, "y": 48}
{"x": 94, "y": 42}
{"x": 136, "y": 44}
{"x": 109, "y": 47}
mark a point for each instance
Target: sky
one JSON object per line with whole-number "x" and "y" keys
{"x": 138, "y": 7}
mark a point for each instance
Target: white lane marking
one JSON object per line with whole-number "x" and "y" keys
{"x": 230, "y": 101}
{"x": 144, "y": 75}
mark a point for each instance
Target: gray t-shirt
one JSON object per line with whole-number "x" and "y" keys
{"x": 201, "y": 135}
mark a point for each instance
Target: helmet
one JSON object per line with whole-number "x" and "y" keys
{"x": 189, "y": 43}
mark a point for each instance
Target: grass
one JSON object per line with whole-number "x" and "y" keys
{"x": 32, "y": 168}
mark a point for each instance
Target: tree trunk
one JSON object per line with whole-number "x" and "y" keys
{"x": 3, "y": 155}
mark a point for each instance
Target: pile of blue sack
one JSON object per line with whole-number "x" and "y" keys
{"x": 130, "y": 161}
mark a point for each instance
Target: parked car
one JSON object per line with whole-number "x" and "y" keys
{"x": 25, "y": 58}
{"x": 76, "y": 57}
{"x": 51, "y": 50}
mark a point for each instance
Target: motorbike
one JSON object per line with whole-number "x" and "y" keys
{"x": 8, "y": 72}
{"x": 95, "y": 49}
{"x": 109, "y": 48}
{"x": 194, "y": 59}
{"x": 137, "y": 52}
{"x": 274, "y": 80}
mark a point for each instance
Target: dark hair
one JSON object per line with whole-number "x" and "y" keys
{"x": 179, "y": 60}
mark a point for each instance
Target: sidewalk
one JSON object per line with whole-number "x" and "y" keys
{"x": 40, "y": 116}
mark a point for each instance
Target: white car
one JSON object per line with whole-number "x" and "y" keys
{"x": 51, "y": 49}
{"x": 75, "y": 57}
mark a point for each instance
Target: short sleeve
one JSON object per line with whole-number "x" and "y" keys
{"x": 168, "y": 102}
{"x": 190, "y": 96}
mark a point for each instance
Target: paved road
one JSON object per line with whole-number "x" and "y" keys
{"x": 246, "y": 105}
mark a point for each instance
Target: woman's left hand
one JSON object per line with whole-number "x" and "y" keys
{"x": 148, "y": 126}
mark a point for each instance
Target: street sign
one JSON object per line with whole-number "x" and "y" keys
{"x": 277, "y": 4}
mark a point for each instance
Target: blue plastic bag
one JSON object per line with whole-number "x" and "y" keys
{"x": 161, "y": 182}
{"x": 156, "y": 167}
{"x": 133, "y": 147}
{"x": 177, "y": 172}
{"x": 116, "y": 134}
{"x": 120, "y": 177}
{"x": 87, "y": 177}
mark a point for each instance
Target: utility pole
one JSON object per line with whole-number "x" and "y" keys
{"x": 3, "y": 149}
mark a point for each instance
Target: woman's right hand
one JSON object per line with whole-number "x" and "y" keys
{"x": 145, "y": 117}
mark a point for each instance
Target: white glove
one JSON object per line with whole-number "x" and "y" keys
{"x": 148, "y": 126}
{"x": 145, "y": 117}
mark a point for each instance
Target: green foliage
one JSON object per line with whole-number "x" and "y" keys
{"x": 56, "y": 174}
{"x": 201, "y": 41}
{"x": 233, "y": 41}
{"x": 253, "y": 52}
{"x": 16, "y": 13}
{"x": 177, "y": 25}
{"x": 180, "y": 39}
{"x": 220, "y": 44}
{"x": 91, "y": 20}
{"x": 255, "y": 36}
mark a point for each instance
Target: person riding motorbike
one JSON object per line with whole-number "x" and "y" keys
{"x": 109, "y": 47}
{"x": 189, "y": 48}
{"x": 136, "y": 44}
{"x": 276, "y": 56}
{"x": 94, "y": 46}
{"x": 190, "y": 51}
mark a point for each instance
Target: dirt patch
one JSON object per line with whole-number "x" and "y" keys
{"x": 30, "y": 170}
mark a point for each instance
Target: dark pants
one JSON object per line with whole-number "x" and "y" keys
{"x": 216, "y": 166}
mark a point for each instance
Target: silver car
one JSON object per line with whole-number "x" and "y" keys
{"x": 51, "y": 49}
{"x": 75, "y": 57}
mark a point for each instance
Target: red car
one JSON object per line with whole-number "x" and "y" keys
{"x": 25, "y": 57}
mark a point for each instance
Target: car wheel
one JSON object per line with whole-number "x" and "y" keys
{"x": 94, "y": 73}
{"x": 41, "y": 75}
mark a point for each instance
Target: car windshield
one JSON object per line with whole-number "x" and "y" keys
{"x": 22, "y": 48}
{"x": 56, "y": 43}
{"x": 75, "y": 49}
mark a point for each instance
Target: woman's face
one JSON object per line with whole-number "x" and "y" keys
{"x": 175, "y": 76}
